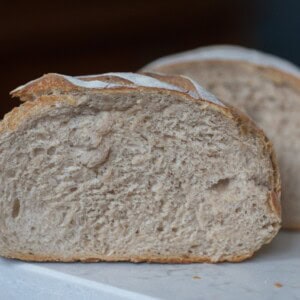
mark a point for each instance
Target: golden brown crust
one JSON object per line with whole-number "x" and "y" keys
{"x": 134, "y": 259}
{"x": 45, "y": 84}
{"x": 28, "y": 109}
{"x": 51, "y": 83}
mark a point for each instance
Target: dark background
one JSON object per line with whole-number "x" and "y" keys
{"x": 90, "y": 37}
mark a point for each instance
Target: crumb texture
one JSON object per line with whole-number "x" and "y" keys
{"x": 125, "y": 175}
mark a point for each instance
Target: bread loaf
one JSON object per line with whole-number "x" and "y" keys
{"x": 132, "y": 167}
{"x": 263, "y": 86}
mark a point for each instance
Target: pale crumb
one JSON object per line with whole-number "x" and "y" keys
{"x": 93, "y": 182}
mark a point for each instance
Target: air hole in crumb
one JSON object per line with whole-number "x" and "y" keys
{"x": 144, "y": 138}
{"x": 174, "y": 229}
{"x": 32, "y": 228}
{"x": 137, "y": 232}
{"x": 38, "y": 151}
{"x": 221, "y": 185}
{"x": 160, "y": 228}
{"x": 240, "y": 244}
{"x": 266, "y": 226}
{"x": 194, "y": 246}
{"x": 190, "y": 251}
{"x": 51, "y": 151}
{"x": 16, "y": 208}
{"x": 73, "y": 189}
{"x": 237, "y": 210}
{"x": 97, "y": 227}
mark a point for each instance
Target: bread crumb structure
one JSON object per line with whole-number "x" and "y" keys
{"x": 130, "y": 167}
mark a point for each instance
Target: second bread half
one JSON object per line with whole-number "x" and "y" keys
{"x": 264, "y": 87}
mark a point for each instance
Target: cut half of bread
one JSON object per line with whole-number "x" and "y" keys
{"x": 132, "y": 167}
{"x": 263, "y": 86}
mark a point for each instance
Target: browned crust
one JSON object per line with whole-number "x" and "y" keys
{"x": 20, "y": 114}
{"x": 56, "y": 83}
{"x": 29, "y": 109}
{"x": 43, "y": 85}
{"x": 133, "y": 259}
{"x": 49, "y": 83}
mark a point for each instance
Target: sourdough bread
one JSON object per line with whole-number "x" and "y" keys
{"x": 132, "y": 167}
{"x": 263, "y": 86}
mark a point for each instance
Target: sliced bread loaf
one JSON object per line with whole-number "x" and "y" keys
{"x": 128, "y": 167}
{"x": 266, "y": 88}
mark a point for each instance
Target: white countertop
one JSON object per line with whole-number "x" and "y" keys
{"x": 274, "y": 273}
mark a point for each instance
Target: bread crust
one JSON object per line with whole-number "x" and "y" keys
{"x": 13, "y": 120}
{"x": 134, "y": 259}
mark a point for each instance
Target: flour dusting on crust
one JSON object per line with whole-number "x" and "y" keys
{"x": 203, "y": 93}
{"x": 134, "y": 81}
{"x": 228, "y": 52}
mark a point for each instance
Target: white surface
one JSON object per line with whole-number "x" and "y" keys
{"x": 252, "y": 279}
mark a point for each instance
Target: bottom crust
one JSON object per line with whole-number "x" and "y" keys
{"x": 135, "y": 259}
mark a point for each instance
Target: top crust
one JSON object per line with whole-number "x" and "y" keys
{"x": 57, "y": 83}
{"x": 227, "y": 52}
